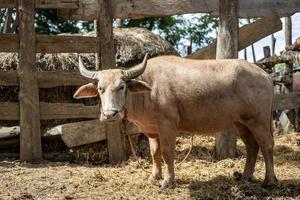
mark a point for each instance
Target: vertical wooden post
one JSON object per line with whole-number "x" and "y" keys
{"x": 273, "y": 44}
{"x": 267, "y": 51}
{"x": 30, "y": 139}
{"x": 245, "y": 54}
{"x": 252, "y": 48}
{"x": 119, "y": 23}
{"x": 115, "y": 131}
{"x": 227, "y": 47}
{"x": 288, "y": 31}
{"x": 289, "y": 66}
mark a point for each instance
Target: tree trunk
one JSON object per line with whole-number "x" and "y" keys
{"x": 227, "y": 47}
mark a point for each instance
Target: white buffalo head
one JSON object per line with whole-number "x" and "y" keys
{"x": 112, "y": 86}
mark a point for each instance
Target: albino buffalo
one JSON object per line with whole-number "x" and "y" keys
{"x": 199, "y": 96}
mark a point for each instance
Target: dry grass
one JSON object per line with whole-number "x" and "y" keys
{"x": 199, "y": 177}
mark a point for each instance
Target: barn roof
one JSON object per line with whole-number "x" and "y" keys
{"x": 87, "y": 10}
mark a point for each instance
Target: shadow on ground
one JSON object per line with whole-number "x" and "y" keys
{"x": 225, "y": 188}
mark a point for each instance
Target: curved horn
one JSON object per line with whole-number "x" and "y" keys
{"x": 135, "y": 71}
{"x": 85, "y": 72}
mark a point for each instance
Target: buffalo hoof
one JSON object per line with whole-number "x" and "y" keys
{"x": 272, "y": 183}
{"x": 241, "y": 177}
{"x": 237, "y": 176}
{"x": 154, "y": 179}
{"x": 167, "y": 184}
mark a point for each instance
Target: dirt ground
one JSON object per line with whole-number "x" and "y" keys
{"x": 199, "y": 177}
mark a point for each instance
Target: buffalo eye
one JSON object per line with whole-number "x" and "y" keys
{"x": 101, "y": 89}
{"x": 121, "y": 87}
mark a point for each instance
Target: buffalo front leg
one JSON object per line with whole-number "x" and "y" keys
{"x": 167, "y": 139}
{"x": 156, "y": 158}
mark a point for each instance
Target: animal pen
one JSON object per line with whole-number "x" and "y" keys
{"x": 30, "y": 111}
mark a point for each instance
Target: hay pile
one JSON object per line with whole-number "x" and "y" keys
{"x": 131, "y": 44}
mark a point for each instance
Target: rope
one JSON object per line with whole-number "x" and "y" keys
{"x": 188, "y": 153}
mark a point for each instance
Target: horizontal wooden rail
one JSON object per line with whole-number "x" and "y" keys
{"x": 88, "y": 9}
{"x": 10, "y": 111}
{"x": 52, "y": 44}
{"x": 46, "y": 79}
{"x": 287, "y": 101}
{"x": 71, "y": 4}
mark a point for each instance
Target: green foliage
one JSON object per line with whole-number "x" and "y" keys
{"x": 47, "y": 22}
{"x": 179, "y": 30}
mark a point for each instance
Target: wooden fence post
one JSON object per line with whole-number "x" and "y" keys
{"x": 30, "y": 139}
{"x": 227, "y": 47}
{"x": 115, "y": 131}
{"x": 293, "y": 114}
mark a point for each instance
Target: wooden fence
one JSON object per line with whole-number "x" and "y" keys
{"x": 29, "y": 111}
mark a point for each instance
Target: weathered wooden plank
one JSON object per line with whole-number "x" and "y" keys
{"x": 30, "y": 138}
{"x": 46, "y": 79}
{"x": 287, "y": 101}
{"x": 67, "y": 111}
{"x": 9, "y": 78}
{"x": 49, "y": 79}
{"x": 248, "y": 35}
{"x": 227, "y": 48}
{"x": 70, "y": 4}
{"x": 52, "y": 44}
{"x": 11, "y": 111}
{"x": 9, "y": 42}
{"x": 124, "y": 9}
{"x": 66, "y": 44}
{"x": 115, "y": 131}
{"x": 80, "y": 133}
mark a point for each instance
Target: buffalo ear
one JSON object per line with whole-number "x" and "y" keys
{"x": 138, "y": 86}
{"x": 86, "y": 91}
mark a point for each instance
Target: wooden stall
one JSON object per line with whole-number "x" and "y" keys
{"x": 29, "y": 111}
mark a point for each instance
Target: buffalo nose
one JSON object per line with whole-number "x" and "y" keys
{"x": 110, "y": 114}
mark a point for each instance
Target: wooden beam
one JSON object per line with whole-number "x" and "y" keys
{"x": 227, "y": 48}
{"x": 46, "y": 79}
{"x": 286, "y": 101}
{"x": 30, "y": 139}
{"x": 67, "y": 111}
{"x": 52, "y": 44}
{"x": 70, "y": 4}
{"x": 11, "y": 111}
{"x": 115, "y": 131}
{"x": 124, "y": 9}
{"x": 248, "y": 35}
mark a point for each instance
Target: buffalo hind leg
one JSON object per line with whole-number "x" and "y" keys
{"x": 264, "y": 139}
{"x": 167, "y": 139}
{"x": 252, "y": 151}
{"x": 156, "y": 158}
